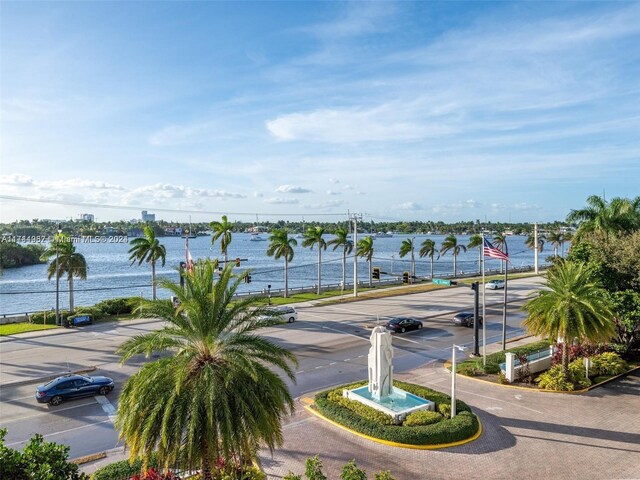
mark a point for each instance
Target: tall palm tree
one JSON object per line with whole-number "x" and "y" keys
{"x": 69, "y": 261}
{"x": 407, "y": 247}
{"x": 451, "y": 244}
{"x": 500, "y": 240}
{"x": 531, "y": 240}
{"x": 312, "y": 237}
{"x": 428, "y": 249}
{"x": 573, "y": 306}
{"x": 281, "y": 246}
{"x": 566, "y": 237}
{"x": 148, "y": 249}
{"x": 364, "y": 249}
{"x": 222, "y": 230}
{"x": 342, "y": 240}
{"x": 620, "y": 215}
{"x": 556, "y": 239}
{"x": 476, "y": 242}
{"x": 216, "y": 395}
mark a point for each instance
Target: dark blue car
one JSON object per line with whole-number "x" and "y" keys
{"x": 72, "y": 386}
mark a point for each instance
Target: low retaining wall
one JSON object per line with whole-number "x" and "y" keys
{"x": 538, "y": 364}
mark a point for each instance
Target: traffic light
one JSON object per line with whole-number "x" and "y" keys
{"x": 247, "y": 278}
{"x": 376, "y": 273}
{"x": 405, "y": 277}
{"x": 238, "y": 262}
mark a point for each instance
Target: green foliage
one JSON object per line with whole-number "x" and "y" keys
{"x": 626, "y": 305}
{"x": 361, "y": 409}
{"x": 495, "y": 359}
{"x": 422, "y": 417}
{"x": 502, "y": 379}
{"x": 39, "y": 317}
{"x": 554, "y": 378}
{"x": 607, "y": 363}
{"x": 292, "y": 476}
{"x": 445, "y": 409}
{"x": 384, "y": 475}
{"x": 351, "y": 472}
{"x": 313, "y": 469}
{"x": 470, "y": 370}
{"x": 117, "y": 306}
{"x": 39, "y": 460}
{"x": 96, "y": 313}
{"x": 122, "y": 469}
{"x": 15, "y": 255}
{"x": 459, "y": 428}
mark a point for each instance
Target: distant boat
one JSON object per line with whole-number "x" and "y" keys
{"x": 255, "y": 237}
{"x": 189, "y": 233}
{"x": 384, "y": 235}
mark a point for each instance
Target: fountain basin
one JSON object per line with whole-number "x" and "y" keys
{"x": 398, "y": 404}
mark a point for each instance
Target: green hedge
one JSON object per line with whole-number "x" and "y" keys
{"x": 122, "y": 469}
{"x": 463, "y": 426}
{"x": 39, "y": 317}
{"x": 118, "y": 306}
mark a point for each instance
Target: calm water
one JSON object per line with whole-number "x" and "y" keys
{"x": 397, "y": 401}
{"x": 110, "y": 275}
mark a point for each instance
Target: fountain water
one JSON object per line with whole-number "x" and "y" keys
{"x": 380, "y": 392}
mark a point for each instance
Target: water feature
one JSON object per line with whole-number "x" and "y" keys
{"x": 380, "y": 392}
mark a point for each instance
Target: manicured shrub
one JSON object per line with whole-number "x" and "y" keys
{"x": 122, "y": 469}
{"x": 491, "y": 368}
{"x": 553, "y": 379}
{"x": 116, "y": 306}
{"x": 95, "y": 312}
{"x": 608, "y": 363}
{"x": 39, "y": 317}
{"x": 459, "y": 428}
{"x": 153, "y": 474}
{"x": 385, "y": 475}
{"x": 313, "y": 469}
{"x": 292, "y": 476}
{"x": 351, "y": 472}
{"x": 469, "y": 370}
{"x": 502, "y": 379}
{"x": 601, "y": 378}
{"x": 422, "y": 417}
{"x": 445, "y": 410}
{"x": 360, "y": 408}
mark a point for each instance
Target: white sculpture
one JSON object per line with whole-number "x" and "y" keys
{"x": 380, "y": 363}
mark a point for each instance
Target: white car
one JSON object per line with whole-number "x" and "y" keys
{"x": 494, "y": 284}
{"x": 286, "y": 313}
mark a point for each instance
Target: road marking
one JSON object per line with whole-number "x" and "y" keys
{"x": 333, "y": 363}
{"x": 300, "y": 371}
{"x": 499, "y": 400}
{"x": 347, "y": 360}
{"x": 342, "y": 332}
{"x": 299, "y": 422}
{"x": 61, "y": 432}
{"x": 489, "y": 409}
{"x": 16, "y": 399}
{"x": 518, "y": 397}
{"x": 45, "y": 412}
{"x": 106, "y": 405}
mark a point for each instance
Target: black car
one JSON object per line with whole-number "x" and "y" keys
{"x": 466, "y": 319}
{"x": 72, "y": 386}
{"x": 403, "y": 324}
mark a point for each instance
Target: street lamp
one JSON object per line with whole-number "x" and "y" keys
{"x": 58, "y": 320}
{"x": 453, "y": 376}
{"x": 269, "y": 293}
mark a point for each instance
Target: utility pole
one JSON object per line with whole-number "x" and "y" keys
{"x": 355, "y": 217}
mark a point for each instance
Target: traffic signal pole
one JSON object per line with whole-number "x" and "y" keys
{"x": 475, "y": 286}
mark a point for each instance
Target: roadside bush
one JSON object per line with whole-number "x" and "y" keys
{"x": 553, "y": 379}
{"x": 351, "y": 472}
{"x": 122, "y": 469}
{"x": 95, "y": 312}
{"x": 116, "y": 306}
{"x": 490, "y": 368}
{"x": 445, "y": 410}
{"x": 384, "y": 475}
{"x": 608, "y": 363}
{"x": 469, "y": 370}
{"x": 577, "y": 351}
{"x": 459, "y": 428}
{"x": 364, "y": 411}
{"x": 313, "y": 469}
{"x": 38, "y": 317}
{"x": 502, "y": 379}
{"x": 422, "y": 417}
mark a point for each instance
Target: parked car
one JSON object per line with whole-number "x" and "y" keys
{"x": 403, "y": 324}
{"x": 286, "y": 313}
{"x": 494, "y": 284}
{"x": 68, "y": 387}
{"x": 465, "y": 319}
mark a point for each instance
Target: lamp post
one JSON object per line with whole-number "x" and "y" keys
{"x": 58, "y": 320}
{"x": 453, "y": 377}
{"x": 269, "y": 293}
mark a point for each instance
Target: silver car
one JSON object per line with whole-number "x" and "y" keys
{"x": 494, "y": 284}
{"x": 286, "y": 313}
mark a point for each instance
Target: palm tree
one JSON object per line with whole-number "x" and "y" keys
{"x": 281, "y": 246}
{"x": 500, "y": 240}
{"x": 620, "y": 215}
{"x": 476, "y": 242}
{"x": 342, "y": 240}
{"x": 216, "y": 395}
{"x": 574, "y": 306}
{"x": 566, "y": 237}
{"x": 428, "y": 249}
{"x": 148, "y": 249}
{"x": 222, "y": 230}
{"x": 312, "y": 237}
{"x": 556, "y": 239}
{"x": 451, "y": 243}
{"x": 531, "y": 240}
{"x": 69, "y": 261}
{"x": 365, "y": 249}
{"x": 407, "y": 246}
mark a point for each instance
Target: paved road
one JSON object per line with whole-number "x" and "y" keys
{"x": 331, "y": 343}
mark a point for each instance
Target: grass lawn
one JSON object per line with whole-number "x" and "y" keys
{"x": 13, "y": 328}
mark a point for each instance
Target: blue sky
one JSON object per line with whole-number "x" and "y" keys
{"x": 430, "y": 111}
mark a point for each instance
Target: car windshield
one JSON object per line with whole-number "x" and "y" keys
{"x": 395, "y": 321}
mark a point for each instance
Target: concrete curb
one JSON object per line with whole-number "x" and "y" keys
{"x": 47, "y": 378}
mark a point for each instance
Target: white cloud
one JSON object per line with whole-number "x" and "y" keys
{"x": 324, "y": 205}
{"x": 16, "y": 179}
{"x": 334, "y": 180}
{"x": 73, "y": 183}
{"x": 291, "y": 189}
{"x": 409, "y": 206}
{"x": 258, "y": 194}
{"x": 333, "y": 192}
{"x": 280, "y": 200}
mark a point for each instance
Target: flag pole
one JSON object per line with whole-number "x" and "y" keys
{"x": 484, "y": 315}
{"x": 504, "y": 306}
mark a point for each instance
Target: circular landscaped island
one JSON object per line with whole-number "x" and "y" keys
{"x": 420, "y": 429}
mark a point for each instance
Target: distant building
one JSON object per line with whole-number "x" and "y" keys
{"x": 87, "y": 217}
{"x": 148, "y": 217}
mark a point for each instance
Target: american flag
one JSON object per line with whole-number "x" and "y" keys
{"x": 493, "y": 252}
